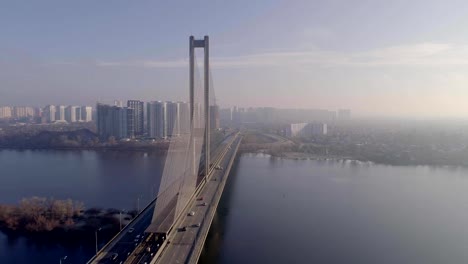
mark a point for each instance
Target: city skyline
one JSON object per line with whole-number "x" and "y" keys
{"x": 406, "y": 67}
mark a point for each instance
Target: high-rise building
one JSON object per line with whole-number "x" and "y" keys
{"x": 225, "y": 114}
{"x": 344, "y": 114}
{"x": 198, "y": 115}
{"x": 214, "y": 116}
{"x": 22, "y": 111}
{"x": 71, "y": 114}
{"x": 78, "y": 114}
{"x": 5, "y": 112}
{"x": 184, "y": 117}
{"x": 318, "y": 129}
{"x": 49, "y": 113}
{"x": 172, "y": 115}
{"x": 60, "y": 113}
{"x": 306, "y": 129}
{"x": 138, "y": 117}
{"x": 130, "y": 122}
{"x": 114, "y": 121}
{"x": 118, "y": 103}
{"x": 37, "y": 112}
{"x": 156, "y": 119}
{"x": 86, "y": 113}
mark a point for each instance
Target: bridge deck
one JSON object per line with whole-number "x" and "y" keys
{"x": 164, "y": 224}
{"x": 186, "y": 246}
{"x": 182, "y": 244}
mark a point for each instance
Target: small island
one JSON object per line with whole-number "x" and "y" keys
{"x": 54, "y": 220}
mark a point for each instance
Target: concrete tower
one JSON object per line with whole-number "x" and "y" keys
{"x": 201, "y": 43}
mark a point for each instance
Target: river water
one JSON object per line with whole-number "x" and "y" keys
{"x": 305, "y": 211}
{"x": 272, "y": 210}
{"x": 104, "y": 179}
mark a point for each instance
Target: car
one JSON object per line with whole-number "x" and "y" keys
{"x": 183, "y": 228}
{"x": 137, "y": 237}
{"x": 204, "y": 204}
{"x": 200, "y": 198}
{"x": 131, "y": 230}
{"x": 114, "y": 256}
{"x": 192, "y": 213}
{"x": 196, "y": 225}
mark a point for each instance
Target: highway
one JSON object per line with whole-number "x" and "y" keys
{"x": 141, "y": 254}
{"x": 132, "y": 247}
{"x": 185, "y": 243}
{"x": 126, "y": 241}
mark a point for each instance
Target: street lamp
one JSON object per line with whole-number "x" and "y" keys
{"x": 64, "y": 258}
{"x": 97, "y": 239}
{"x": 120, "y": 217}
{"x": 138, "y": 203}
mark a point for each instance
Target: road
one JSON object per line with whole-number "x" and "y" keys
{"x": 130, "y": 249}
{"x": 127, "y": 241}
{"x": 185, "y": 239}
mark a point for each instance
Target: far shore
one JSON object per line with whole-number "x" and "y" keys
{"x": 291, "y": 155}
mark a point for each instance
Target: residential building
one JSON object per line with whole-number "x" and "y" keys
{"x": 23, "y": 111}
{"x": 214, "y": 116}
{"x": 138, "y": 117}
{"x": 114, "y": 121}
{"x": 86, "y": 113}
{"x": 49, "y": 113}
{"x": 184, "y": 117}
{"x": 5, "y": 112}
{"x": 71, "y": 114}
{"x": 306, "y": 129}
{"x": 344, "y": 114}
{"x": 60, "y": 113}
{"x": 156, "y": 113}
{"x": 172, "y": 115}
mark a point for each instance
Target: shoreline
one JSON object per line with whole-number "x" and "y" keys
{"x": 306, "y": 156}
{"x": 103, "y": 148}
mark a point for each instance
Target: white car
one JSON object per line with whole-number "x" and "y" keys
{"x": 131, "y": 230}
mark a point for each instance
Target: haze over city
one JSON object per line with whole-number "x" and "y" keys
{"x": 398, "y": 59}
{"x": 273, "y": 131}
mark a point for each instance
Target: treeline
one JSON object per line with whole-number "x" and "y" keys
{"x": 77, "y": 139}
{"x": 50, "y": 139}
{"x": 39, "y": 214}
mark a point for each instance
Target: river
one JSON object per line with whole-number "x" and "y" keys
{"x": 272, "y": 211}
{"x": 306, "y": 211}
{"x": 105, "y": 179}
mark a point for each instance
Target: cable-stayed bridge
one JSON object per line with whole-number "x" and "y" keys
{"x": 174, "y": 226}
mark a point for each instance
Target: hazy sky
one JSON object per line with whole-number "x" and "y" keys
{"x": 395, "y": 58}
